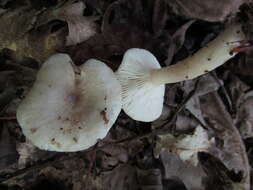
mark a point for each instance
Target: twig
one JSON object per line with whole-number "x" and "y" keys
{"x": 8, "y": 117}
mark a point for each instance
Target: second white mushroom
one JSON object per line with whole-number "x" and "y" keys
{"x": 143, "y": 80}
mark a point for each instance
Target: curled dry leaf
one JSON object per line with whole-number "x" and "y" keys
{"x": 185, "y": 147}
{"x": 116, "y": 151}
{"x": 123, "y": 177}
{"x": 175, "y": 168}
{"x": 242, "y": 101}
{"x": 159, "y": 17}
{"x": 26, "y": 154}
{"x": 71, "y": 174}
{"x": 29, "y": 154}
{"x": 206, "y": 84}
{"x": 245, "y": 118}
{"x": 232, "y": 151}
{"x": 177, "y": 41}
{"x": 22, "y": 33}
{"x": 212, "y": 11}
{"x": 122, "y": 20}
{"x": 26, "y": 44}
{"x": 219, "y": 177}
{"x": 150, "y": 179}
{"x": 80, "y": 27}
{"x": 8, "y": 153}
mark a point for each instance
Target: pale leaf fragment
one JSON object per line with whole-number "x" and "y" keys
{"x": 185, "y": 147}
{"x": 81, "y": 29}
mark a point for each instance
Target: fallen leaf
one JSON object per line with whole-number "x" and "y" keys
{"x": 116, "y": 151}
{"x": 177, "y": 41}
{"x": 185, "y": 122}
{"x": 159, "y": 17}
{"x": 150, "y": 179}
{"x": 80, "y": 28}
{"x": 175, "y": 169}
{"x": 29, "y": 154}
{"x": 211, "y": 11}
{"x": 47, "y": 27}
{"x": 185, "y": 147}
{"x": 27, "y": 45}
{"x": 206, "y": 84}
{"x": 228, "y": 140}
{"x": 245, "y": 118}
{"x": 219, "y": 177}
{"x": 8, "y": 153}
{"x": 122, "y": 20}
{"x": 123, "y": 177}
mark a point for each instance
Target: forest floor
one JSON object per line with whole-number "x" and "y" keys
{"x": 210, "y": 117}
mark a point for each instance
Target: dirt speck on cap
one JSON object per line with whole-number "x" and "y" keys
{"x": 103, "y": 115}
{"x": 33, "y": 130}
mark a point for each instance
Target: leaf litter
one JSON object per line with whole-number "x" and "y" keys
{"x": 206, "y": 126}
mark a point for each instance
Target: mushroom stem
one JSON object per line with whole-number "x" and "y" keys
{"x": 206, "y": 59}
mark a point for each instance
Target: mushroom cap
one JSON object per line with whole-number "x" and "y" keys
{"x": 69, "y": 108}
{"x": 141, "y": 99}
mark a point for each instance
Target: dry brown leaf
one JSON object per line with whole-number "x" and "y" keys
{"x": 177, "y": 41}
{"x": 191, "y": 176}
{"x": 159, "y": 17}
{"x": 122, "y": 20}
{"x": 8, "y": 153}
{"x": 116, "y": 151}
{"x": 206, "y": 10}
{"x": 150, "y": 179}
{"x": 29, "y": 154}
{"x": 219, "y": 177}
{"x": 123, "y": 177}
{"x": 232, "y": 151}
{"x": 80, "y": 28}
{"x": 39, "y": 34}
{"x": 206, "y": 84}
{"x": 245, "y": 118}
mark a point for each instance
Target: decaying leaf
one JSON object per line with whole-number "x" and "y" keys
{"x": 206, "y": 10}
{"x": 39, "y": 34}
{"x": 185, "y": 147}
{"x": 174, "y": 168}
{"x": 228, "y": 140}
{"x": 150, "y": 179}
{"x": 206, "y": 84}
{"x": 80, "y": 28}
{"x": 29, "y": 154}
{"x": 123, "y": 177}
{"x": 219, "y": 177}
{"x": 159, "y": 17}
{"x": 241, "y": 98}
{"x": 8, "y": 153}
{"x": 26, "y": 44}
{"x": 177, "y": 40}
{"x": 122, "y": 20}
{"x": 245, "y": 118}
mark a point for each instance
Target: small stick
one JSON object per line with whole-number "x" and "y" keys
{"x": 8, "y": 117}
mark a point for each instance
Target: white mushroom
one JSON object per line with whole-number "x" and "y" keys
{"x": 69, "y": 108}
{"x": 143, "y": 81}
